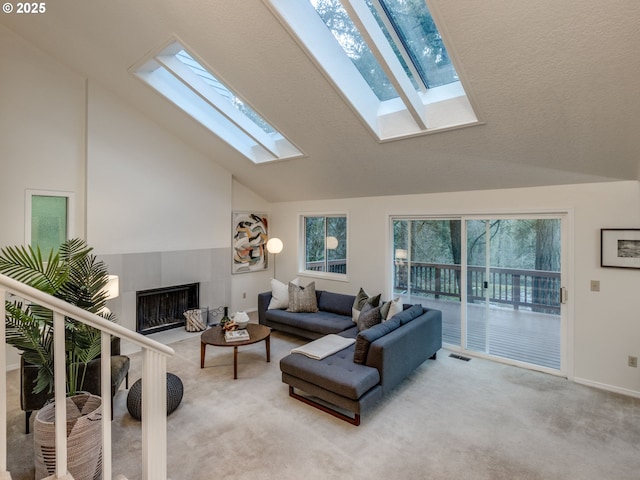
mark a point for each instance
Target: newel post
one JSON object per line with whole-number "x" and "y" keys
{"x": 154, "y": 416}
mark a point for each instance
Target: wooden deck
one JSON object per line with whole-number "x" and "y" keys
{"x": 514, "y": 334}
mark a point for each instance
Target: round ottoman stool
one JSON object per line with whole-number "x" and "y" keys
{"x": 174, "y": 396}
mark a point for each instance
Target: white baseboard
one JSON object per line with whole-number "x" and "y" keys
{"x": 607, "y": 387}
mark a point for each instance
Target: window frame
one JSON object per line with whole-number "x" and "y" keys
{"x": 30, "y": 193}
{"x": 302, "y": 251}
{"x": 413, "y": 112}
{"x": 171, "y": 77}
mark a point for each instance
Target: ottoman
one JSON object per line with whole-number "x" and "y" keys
{"x": 175, "y": 391}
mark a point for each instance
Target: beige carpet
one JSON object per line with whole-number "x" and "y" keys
{"x": 449, "y": 420}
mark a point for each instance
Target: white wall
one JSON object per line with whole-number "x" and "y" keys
{"x": 148, "y": 191}
{"x": 41, "y": 136}
{"x": 606, "y": 324}
{"x": 42, "y": 120}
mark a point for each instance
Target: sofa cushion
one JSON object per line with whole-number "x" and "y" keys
{"x": 409, "y": 314}
{"x": 302, "y": 299}
{"x": 366, "y": 337}
{"x": 319, "y": 322}
{"x": 369, "y": 316}
{"x": 335, "y": 303}
{"x": 336, "y": 373}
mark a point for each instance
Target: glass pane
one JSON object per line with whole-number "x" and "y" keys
{"x": 222, "y": 90}
{"x": 513, "y": 308}
{"x": 420, "y": 38}
{"x": 477, "y": 306}
{"x": 336, "y": 243}
{"x": 48, "y": 222}
{"x": 427, "y": 269}
{"x": 314, "y": 233}
{"x": 346, "y": 34}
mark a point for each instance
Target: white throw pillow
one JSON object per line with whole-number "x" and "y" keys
{"x": 396, "y": 307}
{"x": 280, "y": 293}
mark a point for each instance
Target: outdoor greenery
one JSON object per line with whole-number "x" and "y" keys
{"x": 317, "y": 230}
{"x": 523, "y": 244}
{"x": 73, "y": 274}
{"x": 418, "y": 34}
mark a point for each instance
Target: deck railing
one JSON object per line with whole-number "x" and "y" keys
{"x": 332, "y": 266}
{"x": 537, "y": 290}
{"x": 154, "y": 397}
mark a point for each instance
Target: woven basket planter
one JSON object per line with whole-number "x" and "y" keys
{"x": 84, "y": 438}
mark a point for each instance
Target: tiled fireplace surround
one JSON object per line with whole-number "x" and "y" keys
{"x": 211, "y": 268}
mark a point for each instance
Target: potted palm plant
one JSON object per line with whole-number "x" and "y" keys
{"x": 73, "y": 274}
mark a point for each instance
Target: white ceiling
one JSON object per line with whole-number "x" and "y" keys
{"x": 555, "y": 82}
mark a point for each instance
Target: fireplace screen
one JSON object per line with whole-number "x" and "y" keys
{"x": 163, "y": 308}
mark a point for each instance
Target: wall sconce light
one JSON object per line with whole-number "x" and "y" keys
{"x": 274, "y": 246}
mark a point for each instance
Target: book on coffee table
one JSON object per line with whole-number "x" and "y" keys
{"x": 236, "y": 335}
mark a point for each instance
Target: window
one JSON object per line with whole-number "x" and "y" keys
{"x": 175, "y": 72}
{"x": 325, "y": 245}
{"x": 387, "y": 57}
{"x": 48, "y": 222}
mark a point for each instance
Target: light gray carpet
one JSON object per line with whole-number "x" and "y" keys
{"x": 450, "y": 420}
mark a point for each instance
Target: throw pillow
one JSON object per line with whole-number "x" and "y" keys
{"x": 393, "y": 306}
{"x": 369, "y": 316}
{"x": 367, "y": 337}
{"x": 302, "y": 299}
{"x": 361, "y": 299}
{"x": 361, "y": 350}
{"x": 280, "y": 294}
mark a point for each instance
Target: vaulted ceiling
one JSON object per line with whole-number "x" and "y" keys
{"x": 555, "y": 83}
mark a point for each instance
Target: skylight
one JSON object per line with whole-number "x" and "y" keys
{"x": 175, "y": 73}
{"x": 387, "y": 58}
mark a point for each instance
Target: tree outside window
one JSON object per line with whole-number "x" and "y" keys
{"x": 325, "y": 241}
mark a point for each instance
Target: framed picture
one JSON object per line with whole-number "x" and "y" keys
{"x": 620, "y": 247}
{"x": 249, "y": 245}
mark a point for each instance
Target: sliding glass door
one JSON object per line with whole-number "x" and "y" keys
{"x": 513, "y": 271}
{"x": 496, "y": 280}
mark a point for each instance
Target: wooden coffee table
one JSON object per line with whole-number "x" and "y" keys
{"x": 215, "y": 336}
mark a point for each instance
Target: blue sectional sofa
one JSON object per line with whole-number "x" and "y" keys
{"x": 356, "y": 378}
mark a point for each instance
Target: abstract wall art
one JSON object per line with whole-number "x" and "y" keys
{"x": 250, "y": 235}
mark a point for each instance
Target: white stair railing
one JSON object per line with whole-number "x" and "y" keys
{"x": 154, "y": 378}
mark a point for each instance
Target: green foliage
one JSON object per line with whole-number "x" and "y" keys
{"x": 74, "y": 275}
{"x": 317, "y": 230}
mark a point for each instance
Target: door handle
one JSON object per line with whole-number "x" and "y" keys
{"x": 564, "y": 295}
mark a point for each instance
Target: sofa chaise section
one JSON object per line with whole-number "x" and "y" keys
{"x": 394, "y": 350}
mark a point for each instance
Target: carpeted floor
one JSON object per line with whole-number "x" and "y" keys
{"x": 450, "y": 420}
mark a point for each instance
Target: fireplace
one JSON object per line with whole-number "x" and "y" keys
{"x": 163, "y": 308}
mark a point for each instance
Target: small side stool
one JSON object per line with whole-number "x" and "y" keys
{"x": 175, "y": 391}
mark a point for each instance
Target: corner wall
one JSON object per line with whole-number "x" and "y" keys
{"x": 158, "y": 211}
